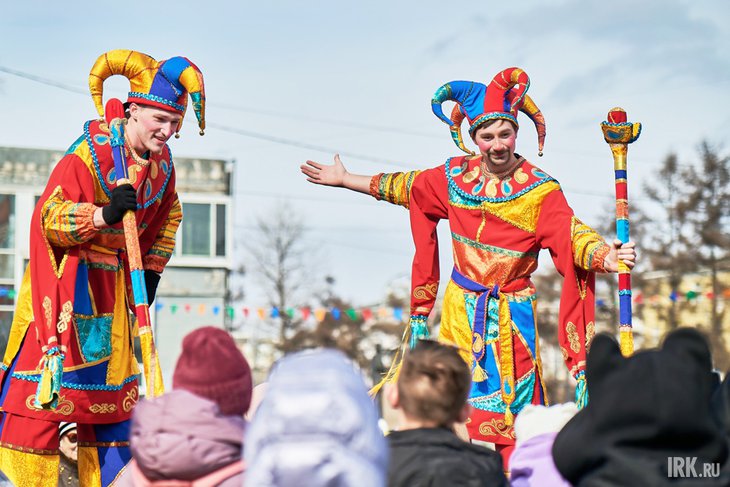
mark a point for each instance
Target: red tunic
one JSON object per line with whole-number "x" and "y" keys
{"x": 498, "y": 228}
{"x": 75, "y": 294}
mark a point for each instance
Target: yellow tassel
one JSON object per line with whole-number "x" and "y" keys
{"x": 392, "y": 374}
{"x": 509, "y": 418}
{"x": 44, "y": 395}
{"x": 479, "y": 374}
{"x": 626, "y": 342}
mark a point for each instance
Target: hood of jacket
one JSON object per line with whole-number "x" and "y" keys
{"x": 183, "y": 436}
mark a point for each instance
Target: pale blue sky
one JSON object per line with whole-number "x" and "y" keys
{"x": 312, "y": 71}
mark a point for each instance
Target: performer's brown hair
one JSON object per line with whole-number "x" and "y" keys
{"x": 434, "y": 383}
{"x": 489, "y": 123}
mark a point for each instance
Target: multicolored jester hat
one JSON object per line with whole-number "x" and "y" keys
{"x": 505, "y": 96}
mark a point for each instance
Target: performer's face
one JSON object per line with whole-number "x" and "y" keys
{"x": 150, "y": 128}
{"x": 496, "y": 143}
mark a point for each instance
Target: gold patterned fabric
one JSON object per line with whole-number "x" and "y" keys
{"x": 589, "y": 249}
{"x": 393, "y": 187}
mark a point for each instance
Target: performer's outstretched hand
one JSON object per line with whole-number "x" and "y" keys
{"x": 335, "y": 175}
{"x": 625, "y": 252}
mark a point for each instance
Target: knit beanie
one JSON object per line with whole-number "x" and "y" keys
{"x": 212, "y": 366}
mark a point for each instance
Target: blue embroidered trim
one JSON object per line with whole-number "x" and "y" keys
{"x": 80, "y": 387}
{"x": 90, "y": 143}
{"x": 453, "y": 186}
{"x": 75, "y": 145}
{"x": 493, "y": 402}
{"x": 102, "y": 180}
{"x": 625, "y": 292}
{"x": 158, "y": 99}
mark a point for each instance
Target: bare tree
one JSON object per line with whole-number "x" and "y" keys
{"x": 279, "y": 259}
{"x": 708, "y": 211}
{"x": 668, "y": 249}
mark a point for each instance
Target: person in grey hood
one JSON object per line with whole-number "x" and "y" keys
{"x": 196, "y": 431}
{"x": 316, "y": 426}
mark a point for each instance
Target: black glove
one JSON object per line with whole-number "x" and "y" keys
{"x": 123, "y": 198}
{"x": 151, "y": 279}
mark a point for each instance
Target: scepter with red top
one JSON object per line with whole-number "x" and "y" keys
{"x": 114, "y": 115}
{"x": 619, "y": 133}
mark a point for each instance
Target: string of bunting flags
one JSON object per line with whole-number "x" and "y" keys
{"x": 381, "y": 312}
{"x": 692, "y": 296}
{"x": 267, "y": 312}
{"x": 366, "y": 313}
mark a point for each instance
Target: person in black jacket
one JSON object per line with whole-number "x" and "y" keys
{"x": 430, "y": 396}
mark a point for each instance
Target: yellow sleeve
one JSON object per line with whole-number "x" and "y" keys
{"x": 159, "y": 254}
{"x": 393, "y": 187}
{"x": 589, "y": 248}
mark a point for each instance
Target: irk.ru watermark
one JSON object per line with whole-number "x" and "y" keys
{"x": 688, "y": 467}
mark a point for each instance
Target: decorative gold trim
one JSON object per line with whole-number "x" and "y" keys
{"x": 496, "y": 426}
{"x": 26, "y": 449}
{"x": 590, "y": 333}
{"x": 64, "y": 407}
{"x": 64, "y": 318}
{"x": 573, "y": 338}
{"x": 48, "y": 311}
{"x": 130, "y": 400}
{"x": 427, "y": 291}
{"x": 57, "y": 269}
{"x": 103, "y": 408}
{"x": 103, "y": 444}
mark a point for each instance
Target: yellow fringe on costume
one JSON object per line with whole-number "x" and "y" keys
{"x": 29, "y": 469}
{"x": 89, "y": 468}
{"x": 394, "y": 370}
{"x": 506, "y": 359}
{"x": 21, "y": 319}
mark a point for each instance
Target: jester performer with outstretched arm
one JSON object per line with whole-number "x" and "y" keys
{"x": 70, "y": 356}
{"x": 502, "y": 210}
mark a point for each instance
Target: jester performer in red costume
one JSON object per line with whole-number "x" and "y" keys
{"x": 502, "y": 211}
{"x": 70, "y": 355}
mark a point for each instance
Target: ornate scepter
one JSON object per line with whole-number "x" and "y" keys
{"x": 114, "y": 115}
{"x": 619, "y": 133}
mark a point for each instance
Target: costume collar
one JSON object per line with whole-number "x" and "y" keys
{"x": 150, "y": 181}
{"x": 465, "y": 176}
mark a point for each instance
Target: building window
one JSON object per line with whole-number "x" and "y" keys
{"x": 203, "y": 230}
{"x": 7, "y": 239}
{"x": 6, "y": 319}
{"x": 7, "y": 220}
{"x": 220, "y": 231}
{"x": 196, "y": 229}
{"x": 7, "y": 266}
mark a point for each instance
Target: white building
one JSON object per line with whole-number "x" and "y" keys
{"x": 193, "y": 288}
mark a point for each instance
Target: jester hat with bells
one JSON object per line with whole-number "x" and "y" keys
{"x": 160, "y": 84}
{"x": 501, "y": 100}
